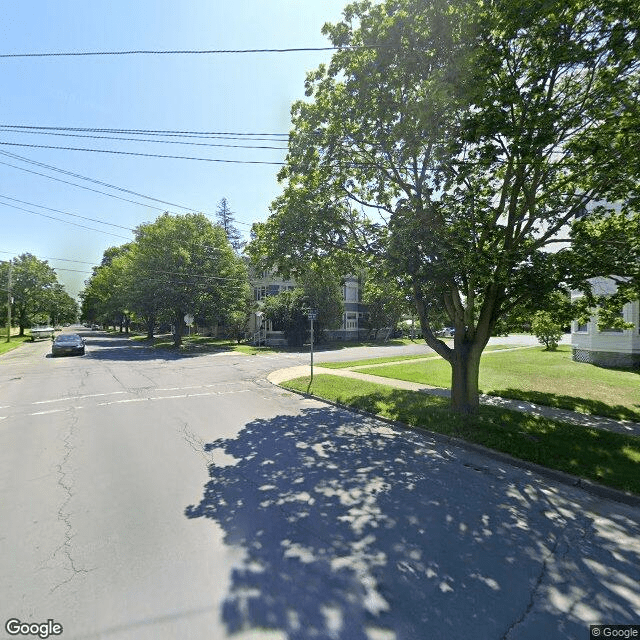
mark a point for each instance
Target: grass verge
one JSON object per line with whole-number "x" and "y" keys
{"x": 16, "y": 341}
{"x": 388, "y": 359}
{"x": 608, "y": 458}
{"x": 549, "y": 378}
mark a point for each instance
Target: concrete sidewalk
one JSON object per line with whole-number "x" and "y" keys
{"x": 562, "y": 415}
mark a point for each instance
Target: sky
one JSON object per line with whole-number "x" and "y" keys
{"x": 242, "y": 93}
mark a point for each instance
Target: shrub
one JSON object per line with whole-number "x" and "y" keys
{"x": 546, "y": 329}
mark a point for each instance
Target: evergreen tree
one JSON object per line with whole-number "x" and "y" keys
{"x": 226, "y": 221}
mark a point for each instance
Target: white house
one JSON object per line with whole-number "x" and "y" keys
{"x": 607, "y": 347}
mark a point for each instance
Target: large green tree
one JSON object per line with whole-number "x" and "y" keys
{"x": 107, "y": 294}
{"x": 186, "y": 265}
{"x": 386, "y": 302}
{"x": 453, "y": 141}
{"x": 34, "y": 285}
{"x": 62, "y": 307}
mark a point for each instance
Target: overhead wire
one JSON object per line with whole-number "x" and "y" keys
{"x": 66, "y": 213}
{"x": 157, "y": 141}
{"x": 156, "y": 271}
{"x": 144, "y": 155}
{"x": 165, "y": 52}
{"x": 160, "y": 271}
{"x": 151, "y": 132}
{"x": 93, "y": 180}
{"x": 75, "y": 224}
{"x": 75, "y": 215}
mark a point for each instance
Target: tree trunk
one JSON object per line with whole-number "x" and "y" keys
{"x": 150, "y": 325}
{"x": 179, "y": 329}
{"x": 465, "y": 370}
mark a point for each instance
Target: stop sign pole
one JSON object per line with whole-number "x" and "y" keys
{"x": 188, "y": 319}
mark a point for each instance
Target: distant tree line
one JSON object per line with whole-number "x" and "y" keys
{"x": 176, "y": 266}
{"x": 38, "y": 297}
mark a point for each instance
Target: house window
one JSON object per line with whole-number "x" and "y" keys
{"x": 259, "y": 292}
{"x": 613, "y": 329}
{"x": 273, "y": 290}
{"x": 582, "y": 328}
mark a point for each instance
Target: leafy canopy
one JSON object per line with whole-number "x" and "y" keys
{"x": 454, "y": 141}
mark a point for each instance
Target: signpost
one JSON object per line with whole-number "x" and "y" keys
{"x": 188, "y": 319}
{"x": 313, "y": 314}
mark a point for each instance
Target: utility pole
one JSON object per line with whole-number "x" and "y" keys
{"x": 9, "y": 302}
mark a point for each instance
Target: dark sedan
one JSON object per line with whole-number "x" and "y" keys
{"x": 68, "y": 344}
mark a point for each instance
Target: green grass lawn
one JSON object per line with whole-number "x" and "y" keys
{"x": 545, "y": 377}
{"x": 16, "y": 341}
{"x": 378, "y": 361}
{"x": 608, "y": 458}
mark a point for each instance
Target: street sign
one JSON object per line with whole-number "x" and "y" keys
{"x": 188, "y": 318}
{"x": 313, "y": 314}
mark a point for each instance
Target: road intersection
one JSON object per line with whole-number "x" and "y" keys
{"x": 148, "y": 495}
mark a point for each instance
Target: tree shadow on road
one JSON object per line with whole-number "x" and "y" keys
{"x": 121, "y": 348}
{"x": 353, "y": 529}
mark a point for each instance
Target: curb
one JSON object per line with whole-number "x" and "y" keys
{"x": 593, "y": 488}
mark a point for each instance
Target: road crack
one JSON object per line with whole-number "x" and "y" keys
{"x": 580, "y": 527}
{"x": 64, "y": 516}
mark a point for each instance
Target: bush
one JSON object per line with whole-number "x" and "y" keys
{"x": 546, "y": 329}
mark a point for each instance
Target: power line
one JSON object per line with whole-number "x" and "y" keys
{"x": 13, "y": 253}
{"x": 160, "y": 271}
{"x": 106, "y": 184}
{"x": 75, "y": 215}
{"x": 73, "y": 184}
{"x": 75, "y": 224}
{"x": 92, "y": 180}
{"x": 145, "y": 155}
{"x": 155, "y": 271}
{"x": 194, "y": 144}
{"x": 163, "y": 52}
{"x": 248, "y": 224}
{"x": 155, "y": 132}
{"x": 66, "y": 213}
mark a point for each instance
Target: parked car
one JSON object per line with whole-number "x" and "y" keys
{"x": 41, "y": 332}
{"x": 447, "y": 332}
{"x": 95, "y": 327}
{"x": 68, "y": 344}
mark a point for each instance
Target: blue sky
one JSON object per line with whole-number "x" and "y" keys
{"x": 244, "y": 93}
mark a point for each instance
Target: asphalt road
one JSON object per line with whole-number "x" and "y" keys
{"x": 150, "y": 496}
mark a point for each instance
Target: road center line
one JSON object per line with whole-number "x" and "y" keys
{"x": 173, "y": 397}
{"x": 42, "y": 413}
{"x": 93, "y": 395}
